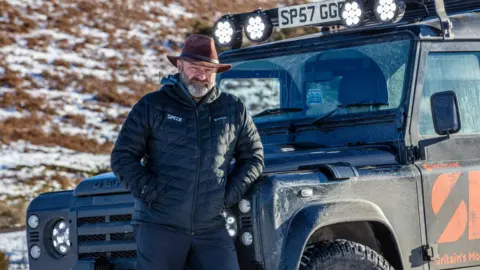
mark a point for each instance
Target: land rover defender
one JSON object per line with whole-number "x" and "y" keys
{"x": 372, "y": 146}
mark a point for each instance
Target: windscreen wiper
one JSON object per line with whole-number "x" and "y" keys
{"x": 353, "y": 104}
{"x": 277, "y": 111}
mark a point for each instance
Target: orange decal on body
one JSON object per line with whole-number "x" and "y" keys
{"x": 430, "y": 167}
{"x": 442, "y": 188}
{"x": 474, "y": 205}
{"x": 456, "y": 225}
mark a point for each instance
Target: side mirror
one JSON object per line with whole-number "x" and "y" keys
{"x": 445, "y": 113}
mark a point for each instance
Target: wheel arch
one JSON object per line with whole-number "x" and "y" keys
{"x": 319, "y": 221}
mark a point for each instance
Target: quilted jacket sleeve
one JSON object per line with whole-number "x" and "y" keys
{"x": 249, "y": 159}
{"x": 129, "y": 149}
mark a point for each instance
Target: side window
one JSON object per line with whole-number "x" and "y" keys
{"x": 457, "y": 71}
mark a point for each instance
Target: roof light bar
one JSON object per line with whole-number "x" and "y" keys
{"x": 258, "y": 26}
{"x": 388, "y": 11}
{"x": 352, "y": 13}
{"x": 227, "y": 32}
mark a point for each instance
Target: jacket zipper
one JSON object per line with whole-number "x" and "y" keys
{"x": 196, "y": 173}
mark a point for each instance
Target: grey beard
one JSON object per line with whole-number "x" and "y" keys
{"x": 197, "y": 90}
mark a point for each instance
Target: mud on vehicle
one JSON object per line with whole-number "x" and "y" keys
{"x": 371, "y": 133}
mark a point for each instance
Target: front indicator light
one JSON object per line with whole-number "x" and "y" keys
{"x": 244, "y": 206}
{"x": 247, "y": 238}
{"x": 35, "y": 251}
{"x": 33, "y": 221}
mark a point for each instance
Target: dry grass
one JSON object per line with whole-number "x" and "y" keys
{"x": 64, "y": 182}
{"x": 5, "y": 39}
{"x": 58, "y": 82}
{"x": 30, "y": 129}
{"x": 62, "y": 63}
{"x": 22, "y": 101}
{"x": 10, "y": 78}
{"x": 17, "y": 22}
{"x": 75, "y": 119}
{"x": 63, "y": 44}
{"x": 13, "y": 213}
{"x": 106, "y": 91}
{"x": 118, "y": 120}
{"x": 4, "y": 261}
{"x": 40, "y": 43}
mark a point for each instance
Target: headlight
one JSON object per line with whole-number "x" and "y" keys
{"x": 244, "y": 206}
{"x": 61, "y": 237}
{"x": 33, "y": 221}
{"x": 230, "y": 223}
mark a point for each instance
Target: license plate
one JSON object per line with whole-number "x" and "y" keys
{"x": 308, "y": 14}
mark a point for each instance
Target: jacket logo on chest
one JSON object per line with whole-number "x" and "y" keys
{"x": 174, "y": 117}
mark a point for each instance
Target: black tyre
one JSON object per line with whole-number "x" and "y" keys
{"x": 341, "y": 255}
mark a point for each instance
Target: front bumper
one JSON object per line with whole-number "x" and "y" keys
{"x": 101, "y": 236}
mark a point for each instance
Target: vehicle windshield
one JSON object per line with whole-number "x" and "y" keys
{"x": 319, "y": 81}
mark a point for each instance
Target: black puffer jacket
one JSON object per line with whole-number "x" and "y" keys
{"x": 187, "y": 150}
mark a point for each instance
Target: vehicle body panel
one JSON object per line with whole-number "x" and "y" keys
{"x": 451, "y": 177}
{"x": 368, "y": 197}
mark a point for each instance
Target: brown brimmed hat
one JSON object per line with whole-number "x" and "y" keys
{"x": 200, "y": 49}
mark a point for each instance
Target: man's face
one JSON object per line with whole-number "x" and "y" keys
{"x": 198, "y": 79}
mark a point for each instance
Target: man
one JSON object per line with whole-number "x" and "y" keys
{"x": 187, "y": 134}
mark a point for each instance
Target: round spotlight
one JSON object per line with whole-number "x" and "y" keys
{"x": 33, "y": 221}
{"x": 244, "y": 206}
{"x": 388, "y": 11}
{"x": 61, "y": 237}
{"x": 35, "y": 251}
{"x": 227, "y": 33}
{"x": 352, "y": 13}
{"x": 258, "y": 26}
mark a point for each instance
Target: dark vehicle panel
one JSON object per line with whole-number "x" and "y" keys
{"x": 451, "y": 169}
{"x": 50, "y": 209}
{"x": 378, "y": 194}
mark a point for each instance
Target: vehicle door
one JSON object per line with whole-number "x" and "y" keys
{"x": 451, "y": 169}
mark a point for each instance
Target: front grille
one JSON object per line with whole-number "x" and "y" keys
{"x": 90, "y": 220}
{"x": 111, "y": 233}
{"x": 95, "y": 237}
{"x": 127, "y": 217}
{"x": 121, "y": 236}
{"x": 93, "y": 255}
{"x": 124, "y": 254}
{"x": 34, "y": 236}
{"x": 109, "y": 255}
{"x": 245, "y": 221}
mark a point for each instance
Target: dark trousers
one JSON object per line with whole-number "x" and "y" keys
{"x": 159, "y": 248}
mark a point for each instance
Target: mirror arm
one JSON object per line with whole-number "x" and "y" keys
{"x": 423, "y": 144}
